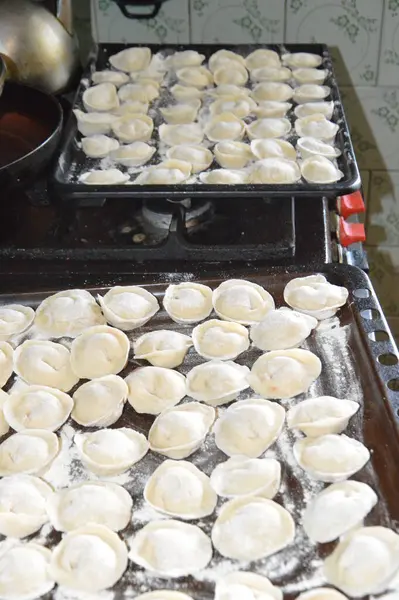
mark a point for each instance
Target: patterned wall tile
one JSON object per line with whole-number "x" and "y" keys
{"x": 351, "y": 27}
{"x": 226, "y": 21}
{"x": 170, "y": 25}
{"x": 384, "y": 273}
{"x": 383, "y": 214}
{"x": 389, "y": 53}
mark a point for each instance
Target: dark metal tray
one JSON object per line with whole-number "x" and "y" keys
{"x": 72, "y": 161}
{"x": 356, "y": 364}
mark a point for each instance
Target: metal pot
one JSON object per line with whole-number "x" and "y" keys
{"x": 39, "y": 48}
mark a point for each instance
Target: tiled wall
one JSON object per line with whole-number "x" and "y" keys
{"x": 364, "y": 38}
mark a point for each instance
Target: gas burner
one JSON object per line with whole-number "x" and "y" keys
{"x": 157, "y": 214}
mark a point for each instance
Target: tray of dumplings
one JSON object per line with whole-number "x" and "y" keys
{"x": 176, "y": 121}
{"x": 198, "y": 439}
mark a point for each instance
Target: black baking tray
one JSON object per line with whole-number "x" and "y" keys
{"x": 72, "y": 162}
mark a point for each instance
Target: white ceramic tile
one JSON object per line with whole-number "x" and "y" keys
{"x": 171, "y": 25}
{"x": 383, "y": 214}
{"x": 388, "y": 71}
{"x": 384, "y": 273}
{"x": 248, "y": 21}
{"x": 351, "y": 26}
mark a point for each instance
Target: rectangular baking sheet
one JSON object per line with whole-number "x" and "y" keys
{"x": 72, "y": 161}
{"x": 350, "y": 370}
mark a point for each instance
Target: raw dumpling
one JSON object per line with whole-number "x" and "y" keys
{"x": 6, "y": 362}
{"x": 168, "y": 172}
{"x": 169, "y": 548}
{"x": 309, "y": 75}
{"x": 252, "y": 528}
{"x": 198, "y": 156}
{"x": 153, "y": 389}
{"x": 224, "y": 177}
{"x": 135, "y": 154}
{"x": 133, "y": 128}
{"x": 99, "y": 351}
{"x": 272, "y": 108}
{"x": 309, "y": 92}
{"x": 242, "y": 476}
{"x": 314, "y": 296}
{"x": 321, "y": 593}
{"x": 30, "y": 451}
{"x": 163, "y": 595}
{"x": 275, "y": 171}
{"x": 89, "y": 559}
{"x": 272, "y": 90}
{"x": 152, "y": 74}
{"x": 111, "y": 451}
{"x": 364, "y": 562}
{"x": 109, "y": 76}
{"x": 98, "y": 146}
{"x": 40, "y": 362}
{"x": 217, "y": 382}
{"x": 330, "y": 457}
{"x": 96, "y": 502}
{"x": 229, "y": 91}
{"x": 284, "y": 373}
{"x": 68, "y": 314}
{"x": 162, "y": 348}
{"x": 181, "y": 113}
{"x": 316, "y": 126}
{"x": 319, "y": 169}
{"x": 198, "y": 77}
{"x": 179, "y": 431}
{"x": 185, "y": 93}
{"x": 37, "y": 407}
{"x": 104, "y": 177}
{"x": 226, "y": 59}
{"x": 101, "y": 98}
{"x": 337, "y": 509}
{"x": 188, "y": 302}
{"x": 131, "y": 59}
{"x": 271, "y": 74}
{"x": 232, "y": 155}
{"x": 239, "y": 585}
{"x": 241, "y": 301}
{"x": 249, "y": 427}
{"x": 128, "y": 307}
{"x": 223, "y": 340}
{"x": 282, "y": 329}
{"x": 4, "y": 427}
{"x": 312, "y": 108}
{"x": 262, "y": 58}
{"x": 179, "y": 489}
{"x": 297, "y": 60}
{"x": 240, "y": 107}
{"x": 268, "y": 128}
{"x": 23, "y": 505}
{"x": 309, "y": 146}
{"x": 15, "y": 319}
{"x": 131, "y": 107}
{"x": 174, "y": 135}
{"x": 234, "y": 74}
{"x": 186, "y": 58}
{"x": 225, "y": 126}
{"x": 272, "y": 148}
{"x": 322, "y": 415}
{"x": 94, "y": 123}
{"x": 24, "y": 570}
{"x": 100, "y": 402}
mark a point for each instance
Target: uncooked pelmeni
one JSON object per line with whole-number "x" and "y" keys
{"x": 15, "y": 319}
{"x": 232, "y": 155}
{"x": 262, "y": 58}
{"x": 188, "y": 302}
{"x": 68, "y": 313}
{"x": 364, "y": 562}
{"x": 100, "y": 402}
{"x": 225, "y": 58}
{"x": 321, "y": 593}
{"x": 30, "y": 451}
{"x": 180, "y": 489}
{"x": 198, "y": 77}
{"x": 337, "y": 509}
{"x": 133, "y": 127}
{"x": 99, "y": 146}
{"x": 252, "y": 528}
{"x": 243, "y": 584}
{"x": 309, "y": 75}
{"x": 275, "y": 170}
{"x": 235, "y": 74}
{"x": 268, "y": 128}
{"x": 104, "y": 177}
{"x": 284, "y": 373}
{"x": 217, "y": 382}
{"x": 282, "y": 329}
{"x": 224, "y": 177}
{"x": 223, "y": 340}
{"x": 177, "y": 172}
{"x": 229, "y": 91}
{"x": 24, "y": 570}
{"x": 249, "y": 427}
{"x": 315, "y": 296}
{"x": 312, "y": 108}
{"x": 272, "y": 90}
{"x": 23, "y": 505}
{"x": 96, "y": 502}
{"x": 99, "y": 351}
{"x": 181, "y": 113}
{"x": 163, "y": 595}
{"x": 185, "y": 58}
{"x": 89, "y": 559}
{"x": 40, "y": 362}
{"x": 319, "y": 169}
{"x": 4, "y": 427}
{"x": 6, "y": 362}
{"x": 174, "y": 135}
{"x": 154, "y": 73}
{"x": 37, "y": 407}
{"x": 180, "y": 431}
{"x": 241, "y": 301}
{"x": 110, "y": 76}
{"x": 131, "y": 107}
{"x": 310, "y": 92}
{"x": 94, "y": 123}
{"x": 321, "y": 415}
{"x": 154, "y": 389}
{"x": 169, "y": 548}
{"x": 128, "y": 307}
{"x": 184, "y": 93}
{"x": 135, "y": 154}
{"x": 272, "y": 148}
{"x": 131, "y": 59}
{"x": 271, "y": 74}
{"x": 162, "y": 348}
{"x": 111, "y": 451}
{"x": 223, "y": 127}
{"x": 316, "y": 126}
{"x": 198, "y": 156}
{"x": 101, "y": 98}
{"x": 240, "y": 107}
{"x": 298, "y": 60}
{"x": 309, "y": 147}
{"x": 330, "y": 457}
{"x": 271, "y": 108}
{"x": 243, "y": 476}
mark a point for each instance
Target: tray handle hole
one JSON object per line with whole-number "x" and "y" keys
{"x": 371, "y": 314}
{"x": 361, "y": 293}
{"x": 379, "y": 336}
{"x": 393, "y": 384}
{"x": 389, "y": 359}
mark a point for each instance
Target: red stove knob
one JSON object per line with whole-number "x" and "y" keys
{"x": 351, "y": 204}
{"x": 349, "y": 233}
